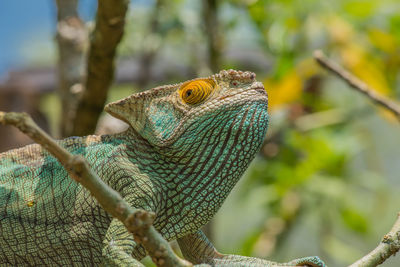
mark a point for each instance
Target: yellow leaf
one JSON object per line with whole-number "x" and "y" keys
{"x": 365, "y": 67}
{"x": 368, "y": 69}
{"x": 383, "y": 40}
{"x": 339, "y": 30}
{"x": 284, "y": 91}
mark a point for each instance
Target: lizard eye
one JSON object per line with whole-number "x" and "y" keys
{"x": 188, "y": 93}
{"x": 194, "y": 92}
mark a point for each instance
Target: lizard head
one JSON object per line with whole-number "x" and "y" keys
{"x": 209, "y": 129}
{"x": 177, "y": 115}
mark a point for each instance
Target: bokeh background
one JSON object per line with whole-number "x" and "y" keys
{"x": 327, "y": 180}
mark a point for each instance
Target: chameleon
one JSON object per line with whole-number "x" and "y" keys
{"x": 186, "y": 147}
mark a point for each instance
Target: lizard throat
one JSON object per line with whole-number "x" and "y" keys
{"x": 206, "y": 174}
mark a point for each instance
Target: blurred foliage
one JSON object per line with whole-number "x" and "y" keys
{"x": 326, "y": 180}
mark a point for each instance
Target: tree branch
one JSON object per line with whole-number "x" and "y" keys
{"x": 150, "y": 51}
{"x": 357, "y": 84}
{"x": 139, "y": 222}
{"x": 212, "y": 31}
{"x": 389, "y": 246}
{"x": 110, "y": 22}
{"x": 71, "y": 40}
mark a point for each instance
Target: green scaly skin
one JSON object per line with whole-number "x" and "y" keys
{"x": 178, "y": 160}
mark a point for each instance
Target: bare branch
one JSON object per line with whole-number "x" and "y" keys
{"x": 357, "y": 84}
{"x": 110, "y": 22}
{"x": 138, "y": 222}
{"x": 71, "y": 40}
{"x": 150, "y": 51}
{"x": 212, "y": 31}
{"x": 389, "y": 246}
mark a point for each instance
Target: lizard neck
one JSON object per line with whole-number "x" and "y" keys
{"x": 192, "y": 177}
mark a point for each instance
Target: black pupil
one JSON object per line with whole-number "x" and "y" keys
{"x": 188, "y": 93}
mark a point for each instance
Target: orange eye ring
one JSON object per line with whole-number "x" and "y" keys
{"x": 194, "y": 92}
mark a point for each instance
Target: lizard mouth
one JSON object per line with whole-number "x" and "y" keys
{"x": 258, "y": 90}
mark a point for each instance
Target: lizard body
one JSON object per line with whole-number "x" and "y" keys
{"x": 187, "y": 146}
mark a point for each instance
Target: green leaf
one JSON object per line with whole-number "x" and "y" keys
{"x": 355, "y": 220}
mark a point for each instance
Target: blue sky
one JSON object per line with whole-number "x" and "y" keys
{"x": 18, "y": 21}
{"x": 25, "y": 21}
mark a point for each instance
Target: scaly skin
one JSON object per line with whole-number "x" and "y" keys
{"x": 187, "y": 146}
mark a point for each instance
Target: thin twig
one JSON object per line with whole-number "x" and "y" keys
{"x": 357, "y": 84}
{"x": 138, "y": 222}
{"x": 389, "y": 246}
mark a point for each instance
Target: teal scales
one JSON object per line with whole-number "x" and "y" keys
{"x": 186, "y": 147}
